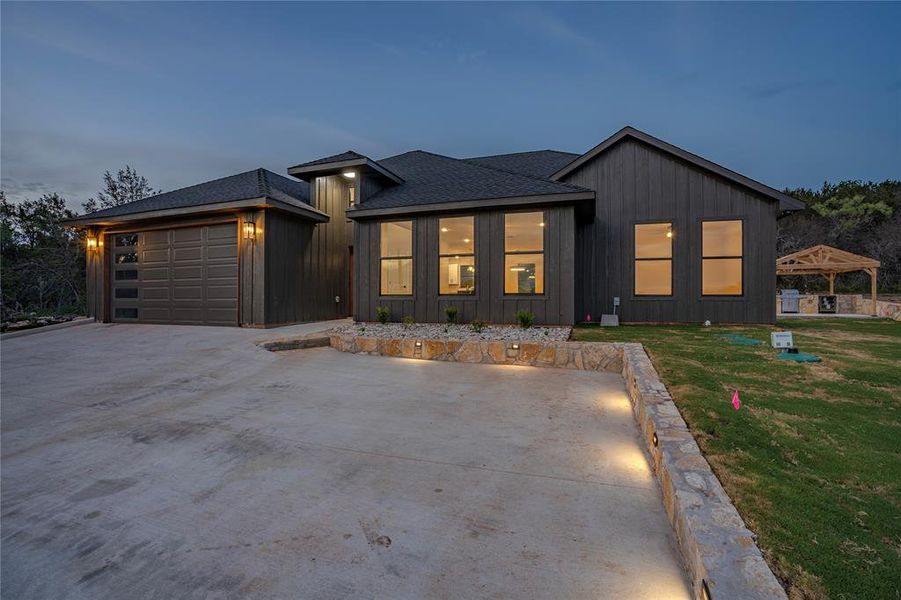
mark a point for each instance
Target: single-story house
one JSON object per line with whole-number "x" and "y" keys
{"x": 635, "y": 226}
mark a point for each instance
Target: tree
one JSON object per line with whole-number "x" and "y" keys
{"x": 126, "y": 186}
{"x": 42, "y": 267}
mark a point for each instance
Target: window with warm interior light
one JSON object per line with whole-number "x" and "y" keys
{"x": 721, "y": 262}
{"x": 524, "y": 253}
{"x": 396, "y": 243}
{"x": 654, "y": 259}
{"x": 456, "y": 255}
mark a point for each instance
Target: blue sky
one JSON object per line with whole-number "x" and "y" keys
{"x": 789, "y": 94}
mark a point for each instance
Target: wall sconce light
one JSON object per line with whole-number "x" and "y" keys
{"x": 91, "y": 242}
{"x": 250, "y": 230}
{"x": 419, "y": 344}
{"x": 655, "y": 440}
{"x": 515, "y": 346}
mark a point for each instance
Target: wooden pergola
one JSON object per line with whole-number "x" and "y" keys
{"x": 828, "y": 261}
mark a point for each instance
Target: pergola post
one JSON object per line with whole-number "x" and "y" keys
{"x": 831, "y": 277}
{"x": 872, "y": 273}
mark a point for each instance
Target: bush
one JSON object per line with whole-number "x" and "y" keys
{"x": 478, "y": 326}
{"x": 451, "y": 313}
{"x": 382, "y": 313}
{"x": 408, "y": 321}
{"x": 526, "y": 318}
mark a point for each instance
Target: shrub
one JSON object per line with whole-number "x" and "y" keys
{"x": 382, "y": 313}
{"x": 478, "y": 326}
{"x": 526, "y": 318}
{"x": 451, "y": 313}
{"x": 408, "y": 321}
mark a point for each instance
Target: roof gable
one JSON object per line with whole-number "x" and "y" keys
{"x": 786, "y": 202}
{"x": 823, "y": 259}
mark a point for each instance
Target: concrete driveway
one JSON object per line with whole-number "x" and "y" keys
{"x": 168, "y": 462}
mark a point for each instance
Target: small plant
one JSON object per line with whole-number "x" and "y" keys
{"x": 382, "y": 313}
{"x": 526, "y": 318}
{"x": 478, "y": 326}
{"x": 408, "y": 322}
{"x": 451, "y": 313}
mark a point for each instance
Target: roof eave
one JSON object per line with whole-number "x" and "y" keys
{"x": 786, "y": 202}
{"x": 298, "y": 209}
{"x": 306, "y": 173}
{"x": 461, "y": 205}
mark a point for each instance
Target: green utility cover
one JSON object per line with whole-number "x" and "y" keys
{"x": 798, "y": 357}
{"x": 740, "y": 340}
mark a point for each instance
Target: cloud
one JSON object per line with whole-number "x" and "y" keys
{"x": 551, "y": 27}
{"x": 38, "y": 161}
{"x": 763, "y": 91}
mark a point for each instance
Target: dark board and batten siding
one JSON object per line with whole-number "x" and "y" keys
{"x": 489, "y": 303}
{"x": 636, "y": 183}
{"x": 307, "y": 264}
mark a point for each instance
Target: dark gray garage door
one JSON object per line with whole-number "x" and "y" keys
{"x": 186, "y": 275}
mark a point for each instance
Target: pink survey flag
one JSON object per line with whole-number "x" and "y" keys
{"x": 735, "y": 400}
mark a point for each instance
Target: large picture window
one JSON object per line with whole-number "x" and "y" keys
{"x": 721, "y": 262}
{"x": 396, "y": 257}
{"x": 456, "y": 255}
{"x": 524, "y": 253}
{"x": 654, "y": 259}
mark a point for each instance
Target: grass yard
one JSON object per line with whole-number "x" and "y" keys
{"x": 812, "y": 460}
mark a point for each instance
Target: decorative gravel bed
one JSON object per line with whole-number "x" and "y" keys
{"x": 448, "y": 331}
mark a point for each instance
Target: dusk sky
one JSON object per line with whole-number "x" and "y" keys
{"x": 789, "y": 94}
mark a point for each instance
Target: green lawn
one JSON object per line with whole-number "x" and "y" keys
{"x": 812, "y": 460}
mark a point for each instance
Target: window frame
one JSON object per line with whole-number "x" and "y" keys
{"x": 744, "y": 250}
{"x": 671, "y": 259}
{"x": 475, "y": 262}
{"x": 543, "y": 252}
{"x": 412, "y": 260}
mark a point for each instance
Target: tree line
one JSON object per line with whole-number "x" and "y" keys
{"x": 42, "y": 262}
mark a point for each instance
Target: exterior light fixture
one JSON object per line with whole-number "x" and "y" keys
{"x": 419, "y": 344}
{"x": 250, "y": 230}
{"x": 91, "y": 242}
{"x": 655, "y": 440}
{"x": 515, "y": 346}
{"x": 349, "y": 174}
{"x": 517, "y": 269}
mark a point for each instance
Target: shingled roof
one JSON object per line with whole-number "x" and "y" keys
{"x": 259, "y": 183}
{"x": 539, "y": 163}
{"x": 433, "y": 179}
{"x": 344, "y": 156}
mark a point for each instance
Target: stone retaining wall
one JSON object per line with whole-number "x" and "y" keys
{"x": 587, "y": 356}
{"x": 718, "y": 550}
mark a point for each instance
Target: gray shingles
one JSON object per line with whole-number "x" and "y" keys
{"x": 349, "y": 155}
{"x": 540, "y": 163}
{"x": 258, "y": 183}
{"x": 432, "y": 178}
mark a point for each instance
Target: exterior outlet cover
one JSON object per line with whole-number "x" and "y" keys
{"x": 616, "y": 301}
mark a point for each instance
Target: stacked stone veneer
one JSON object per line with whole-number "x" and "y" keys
{"x": 847, "y": 304}
{"x": 566, "y": 355}
{"x": 717, "y": 548}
